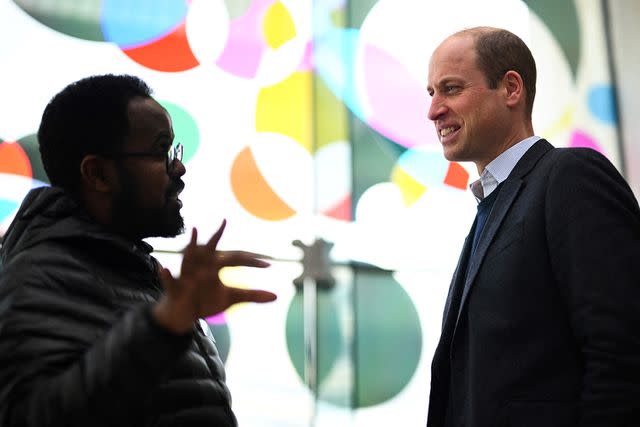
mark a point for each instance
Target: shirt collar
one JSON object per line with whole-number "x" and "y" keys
{"x": 499, "y": 169}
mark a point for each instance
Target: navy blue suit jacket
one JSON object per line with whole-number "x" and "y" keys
{"x": 548, "y": 331}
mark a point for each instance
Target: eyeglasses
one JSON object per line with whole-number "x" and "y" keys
{"x": 171, "y": 156}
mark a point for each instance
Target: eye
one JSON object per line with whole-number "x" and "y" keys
{"x": 162, "y": 150}
{"x": 452, "y": 89}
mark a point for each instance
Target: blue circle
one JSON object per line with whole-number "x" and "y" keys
{"x": 424, "y": 166}
{"x": 602, "y": 103}
{"x": 131, "y": 24}
{"x": 7, "y": 207}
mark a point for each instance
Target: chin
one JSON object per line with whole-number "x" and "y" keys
{"x": 168, "y": 226}
{"x": 451, "y": 156}
{"x": 456, "y": 153}
{"x": 173, "y": 227}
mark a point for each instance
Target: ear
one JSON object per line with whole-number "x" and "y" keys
{"x": 514, "y": 88}
{"x": 96, "y": 174}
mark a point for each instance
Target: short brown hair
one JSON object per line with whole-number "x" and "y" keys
{"x": 500, "y": 51}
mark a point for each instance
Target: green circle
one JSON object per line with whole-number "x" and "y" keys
{"x": 185, "y": 129}
{"x": 237, "y": 8}
{"x": 31, "y": 148}
{"x": 387, "y": 340}
{"x": 79, "y": 19}
{"x": 329, "y": 334}
{"x": 220, "y": 332}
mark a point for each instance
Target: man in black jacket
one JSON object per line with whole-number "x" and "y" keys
{"x": 93, "y": 331}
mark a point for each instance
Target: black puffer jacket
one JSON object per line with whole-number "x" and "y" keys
{"x": 78, "y": 345}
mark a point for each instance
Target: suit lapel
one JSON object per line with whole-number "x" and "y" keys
{"x": 507, "y": 195}
{"x": 510, "y": 189}
{"x": 458, "y": 275}
{"x": 449, "y": 317}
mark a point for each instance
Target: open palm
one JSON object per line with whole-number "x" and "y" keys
{"x": 199, "y": 292}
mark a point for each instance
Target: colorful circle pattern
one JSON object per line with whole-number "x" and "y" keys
{"x": 334, "y": 110}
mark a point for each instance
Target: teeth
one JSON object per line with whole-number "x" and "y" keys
{"x": 447, "y": 131}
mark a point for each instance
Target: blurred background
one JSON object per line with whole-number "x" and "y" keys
{"x": 305, "y": 121}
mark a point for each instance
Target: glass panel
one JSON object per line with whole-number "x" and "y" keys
{"x": 304, "y": 120}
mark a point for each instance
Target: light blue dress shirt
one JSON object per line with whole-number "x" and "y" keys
{"x": 500, "y": 168}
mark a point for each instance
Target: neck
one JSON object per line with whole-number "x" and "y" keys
{"x": 98, "y": 208}
{"x": 516, "y": 135}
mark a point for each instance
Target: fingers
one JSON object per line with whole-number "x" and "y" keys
{"x": 242, "y": 258}
{"x": 193, "y": 242}
{"x": 237, "y": 295}
{"x": 212, "y": 244}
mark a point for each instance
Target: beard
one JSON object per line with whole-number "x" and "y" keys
{"x": 136, "y": 220}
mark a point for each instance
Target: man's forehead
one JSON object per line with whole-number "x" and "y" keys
{"x": 148, "y": 121}
{"x": 145, "y": 107}
{"x": 455, "y": 52}
{"x": 455, "y": 48}
{"x": 147, "y": 112}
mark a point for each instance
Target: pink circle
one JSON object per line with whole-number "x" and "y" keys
{"x": 582, "y": 139}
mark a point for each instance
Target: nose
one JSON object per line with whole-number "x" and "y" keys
{"x": 178, "y": 169}
{"x": 436, "y": 109}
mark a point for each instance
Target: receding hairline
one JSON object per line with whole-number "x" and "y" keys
{"x": 473, "y": 33}
{"x": 476, "y": 32}
{"x": 484, "y": 41}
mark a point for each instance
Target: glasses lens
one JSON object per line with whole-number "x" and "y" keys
{"x": 179, "y": 151}
{"x": 170, "y": 155}
{"x": 174, "y": 153}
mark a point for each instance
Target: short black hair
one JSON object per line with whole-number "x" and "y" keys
{"x": 87, "y": 117}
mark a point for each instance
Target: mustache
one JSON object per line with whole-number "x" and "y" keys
{"x": 175, "y": 187}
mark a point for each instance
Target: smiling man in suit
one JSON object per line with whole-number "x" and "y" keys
{"x": 541, "y": 325}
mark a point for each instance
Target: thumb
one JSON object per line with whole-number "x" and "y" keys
{"x": 169, "y": 283}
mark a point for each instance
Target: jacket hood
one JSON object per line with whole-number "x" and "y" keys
{"x": 49, "y": 213}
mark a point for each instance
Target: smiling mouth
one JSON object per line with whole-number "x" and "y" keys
{"x": 448, "y": 130}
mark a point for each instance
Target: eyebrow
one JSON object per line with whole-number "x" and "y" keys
{"x": 162, "y": 139}
{"x": 447, "y": 80}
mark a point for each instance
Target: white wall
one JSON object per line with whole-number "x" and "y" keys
{"x": 624, "y": 17}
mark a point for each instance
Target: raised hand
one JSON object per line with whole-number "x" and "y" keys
{"x": 199, "y": 292}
